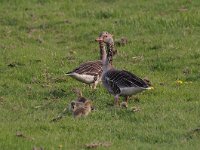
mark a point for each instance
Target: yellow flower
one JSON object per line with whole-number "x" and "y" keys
{"x": 179, "y": 81}
{"x": 151, "y": 88}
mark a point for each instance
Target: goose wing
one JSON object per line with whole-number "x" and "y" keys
{"x": 116, "y": 79}
{"x": 93, "y": 68}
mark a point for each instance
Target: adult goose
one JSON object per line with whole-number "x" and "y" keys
{"x": 118, "y": 82}
{"x": 90, "y": 72}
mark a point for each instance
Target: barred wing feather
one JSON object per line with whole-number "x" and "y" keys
{"x": 93, "y": 68}
{"x": 116, "y": 79}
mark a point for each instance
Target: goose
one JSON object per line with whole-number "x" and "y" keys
{"x": 90, "y": 72}
{"x": 118, "y": 82}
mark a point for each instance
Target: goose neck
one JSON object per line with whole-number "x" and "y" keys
{"x": 110, "y": 47}
{"x": 101, "y": 49}
{"x": 107, "y": 60}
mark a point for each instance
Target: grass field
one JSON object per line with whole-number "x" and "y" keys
{"x": 40, "y": 40}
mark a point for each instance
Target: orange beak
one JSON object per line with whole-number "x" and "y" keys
{"x": 99, "y": 39}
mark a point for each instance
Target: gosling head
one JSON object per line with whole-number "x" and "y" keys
{"x": 83, "y": 110}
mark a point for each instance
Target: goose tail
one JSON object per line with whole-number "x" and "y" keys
{"x": 68, "y": 73}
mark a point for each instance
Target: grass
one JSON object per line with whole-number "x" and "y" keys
{"x": 40, "y": 40}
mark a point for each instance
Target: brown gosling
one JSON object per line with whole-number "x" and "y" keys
{"x": 79, "y": 102}
{"x": 82, "y": 110}
{"x": 124, "y": 105}
{"x": 82, "y": 106}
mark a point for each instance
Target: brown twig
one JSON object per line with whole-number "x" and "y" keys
{"x": 20, "y": 134}
{"x": 98, "y": 144}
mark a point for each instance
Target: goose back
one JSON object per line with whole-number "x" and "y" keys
{"x": 87, "y": 72}
{"x": 121, "y": 82}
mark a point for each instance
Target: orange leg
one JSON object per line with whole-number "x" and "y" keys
{"x": 126, "y": 99}
{"x": 116, "y": 100}
{"x": 95, "y": 85}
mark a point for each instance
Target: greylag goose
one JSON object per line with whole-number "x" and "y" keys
{"x": 90, "y": 72}
{"x": 118, "y": 82}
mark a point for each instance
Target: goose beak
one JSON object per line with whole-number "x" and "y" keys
{"x": 99, "y": 39}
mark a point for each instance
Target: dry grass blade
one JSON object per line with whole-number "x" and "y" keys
{"x": 38, "y": 148}
{"x": 122, "y": 41}
{"x": 20, "y": 134}
{"x": 197, "y": 130}
{"x": 182, "y": 9}
{"x": 57, "y": 118}
{"x": 2, "y": 100}
{"x": 135, "y": 109}
{"x": 192, "y": 134}
{"x": 15, "y": 64}
{"x": 60, "y": 116}
{"x": 78, "y": 92}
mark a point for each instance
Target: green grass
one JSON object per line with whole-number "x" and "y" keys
{"x": 40, "y": 40}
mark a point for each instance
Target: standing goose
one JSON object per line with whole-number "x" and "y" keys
{"x": 90, "y": 72}
{"x": 118, "y": 82}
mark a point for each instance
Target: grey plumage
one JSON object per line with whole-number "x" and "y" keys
{"x": 93, "y": 68}
{"x": 115, "y": 80}
{"x": 119, "y": 82}
{"x": 91, "y": 71}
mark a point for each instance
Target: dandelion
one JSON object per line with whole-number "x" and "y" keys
{"x": 179, "y": 82}
{"x": 60, "y": 146}
{"x": 151, "y": 88}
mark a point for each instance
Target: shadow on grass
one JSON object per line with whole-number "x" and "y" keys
{"x": 58, "y": 93}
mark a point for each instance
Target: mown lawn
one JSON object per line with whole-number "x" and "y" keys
{"x": 40, "y": 40}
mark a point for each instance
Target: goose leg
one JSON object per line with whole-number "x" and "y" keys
{"x": 95, "y": 85}
{"x": 84, "y": 86}
{"x": 96, "y": 80}
{"x": 126, "y": 99}
{"x": 90, "y": 85}
{"x": 116, "y": 100}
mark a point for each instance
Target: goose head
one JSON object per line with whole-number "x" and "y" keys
{"x": 107, "y": 57}
{"x": 104, "y": 33}
{"x": 105, "y": 37}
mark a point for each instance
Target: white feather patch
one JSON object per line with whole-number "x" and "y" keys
{"x": 128, "y": 91}
{"x": 82, "y": 77}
